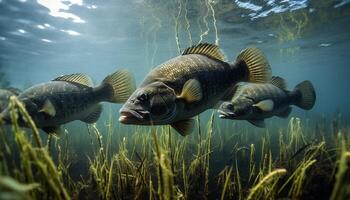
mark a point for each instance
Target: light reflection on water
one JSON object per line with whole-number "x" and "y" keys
{"x": 42, "y": 39}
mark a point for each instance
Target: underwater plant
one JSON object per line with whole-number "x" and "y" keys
{"x": 220, "y": 159}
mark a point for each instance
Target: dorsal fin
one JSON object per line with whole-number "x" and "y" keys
{"x": 279, "y": 82}
{"x": 210, "y": 50}
{"x": 81, "y": 79}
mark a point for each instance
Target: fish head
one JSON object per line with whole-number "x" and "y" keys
{"x": 154, "y": 103}
{"x": 232, "y": 110}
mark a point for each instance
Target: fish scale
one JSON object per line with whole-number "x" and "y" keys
{"x": 190, "y": 84}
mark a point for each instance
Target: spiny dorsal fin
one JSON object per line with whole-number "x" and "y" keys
{"x": 265, "y": 105}
{"x": 191, "y": 91}
{"x": 94, "y": 115}
{"x": 81, "y": 79}
{"x": 258, "y": 66}
{"x": 279, "y": 82}
{"x": 210, "y": 50}
{"x": 258, "y": 123}
{"x": 184, "y": 127}
{"x": 48, "y": 108}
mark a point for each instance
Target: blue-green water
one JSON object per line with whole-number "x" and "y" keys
{"x": 302, "y": 40}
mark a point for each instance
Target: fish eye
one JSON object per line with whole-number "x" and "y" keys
{"x": 229, "y": 106}
{"x": 143, "y": 97}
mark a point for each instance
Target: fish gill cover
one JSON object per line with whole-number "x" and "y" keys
{"x": 298, "y": 155}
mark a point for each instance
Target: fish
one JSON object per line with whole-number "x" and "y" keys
{"x": 5, "y": 95}
{"x": 185, "y": 86}
{"x": 72, "y": 97}
{"x": 255, "y": 102}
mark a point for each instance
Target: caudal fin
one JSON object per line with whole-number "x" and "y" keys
{"x": 259, "y": 70}
{"x": 307, "y": 96}
{"x": 118, "y": 86}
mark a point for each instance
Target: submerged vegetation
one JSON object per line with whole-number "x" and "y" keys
{"x": 225, "y": 160}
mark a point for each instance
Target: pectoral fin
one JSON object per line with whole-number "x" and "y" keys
{"x": 53, "y": 130}
{"x": 265, "y": 105}
{"x": 191, "y": 91}
{"x": 48, "y": 108}
{"x": 258, "y": 123}
{"x": 184, "y": 127}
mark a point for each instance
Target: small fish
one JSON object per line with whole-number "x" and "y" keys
{"x": 72, "y": 97}
{"x": 255, "y": 102}
{"x": 5, "y": 95}
{"x": 183, "y": 87}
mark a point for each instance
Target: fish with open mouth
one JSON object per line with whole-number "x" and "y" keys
{"x": 184, "y": 86}
{"x": 71, "y": 97}
{"x": 255, "y": 102}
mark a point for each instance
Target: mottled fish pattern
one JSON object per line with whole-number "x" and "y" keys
{"x": 255, "y": 102}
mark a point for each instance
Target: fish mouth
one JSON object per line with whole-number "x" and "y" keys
{"x": 130, "y": 116}
{"x": 226, "y": 114}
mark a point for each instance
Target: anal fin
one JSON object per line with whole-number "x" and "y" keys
{"x": 258, "y": 123}
{"x": 285, "y": 113}
{"x": 184, "y": 127}
{"x": 93, "y": 116}
{"x": 52, "y": 130}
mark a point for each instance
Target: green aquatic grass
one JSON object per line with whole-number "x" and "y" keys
{"x": 220, "y": 160}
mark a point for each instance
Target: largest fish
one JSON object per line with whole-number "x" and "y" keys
{"x": 182, "y": 87}
{"x": 72, "y": 97}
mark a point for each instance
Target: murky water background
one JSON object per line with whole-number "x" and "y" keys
{"x": 302, "y": 39}
{"x": 42, "y": 39}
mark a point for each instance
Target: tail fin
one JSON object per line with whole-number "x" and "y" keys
{"x": 259, "y": 70}
{"x": 118, "y": 86}
{"x": 307, "y": 95}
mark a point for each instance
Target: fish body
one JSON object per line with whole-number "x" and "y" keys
{"x": 256, "y": 102}
{"x": 184, "y": 86}
{"x": 71, "y": 102}
{"x": 72, "y": 97}
{"x": 214, "y": 77}
{"x": 5, "y": 95}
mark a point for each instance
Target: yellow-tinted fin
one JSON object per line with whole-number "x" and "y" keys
{"x": 279, "y": 82}
{"x": 120, "y": 86}
{"x": 48, "y": 108}
{"x": 191, "y": 91}
{"x": 265, "y": 105}
{"x": 258, "y": 66}
{"x": 210, "y": 50}
{"x": 184, "y": 127}
{"x": 81, "y": 79}
{"x": 94, "y": 115}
